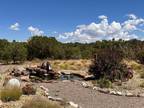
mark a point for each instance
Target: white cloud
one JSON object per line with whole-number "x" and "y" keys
{"x": 132, "y": 16}
{"x": 35, "y": 31}
{"x": 104, "y": 30}
{"x": 15, "y": 27}
{"x": 102, "y": 17}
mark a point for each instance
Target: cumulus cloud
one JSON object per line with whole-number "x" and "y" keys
{"x": 104, "y": 30}
{"x": 132, "y": 16}
{"x": 35, "y": 31}
{"x": 15, "y": 27}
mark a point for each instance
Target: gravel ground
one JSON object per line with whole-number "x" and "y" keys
{"x": 88, "y": 98}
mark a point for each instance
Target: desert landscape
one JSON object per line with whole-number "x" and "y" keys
{"x": 71, "y": 54}
{"x": 82, "y": 93}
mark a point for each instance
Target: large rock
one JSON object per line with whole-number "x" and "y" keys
{"x": 28, "y": 89}
{"x": 46, "y": 65}
{"x": 13, "y": 82}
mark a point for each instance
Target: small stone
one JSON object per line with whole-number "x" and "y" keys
{"x": 73, "y": 104}
{"x": 44, "y": 88}
{"x": 106, "y": 91}
{"x": 1, "y": 103}
{"x": 25, "y": 78}
{"x": 119, "y": 93}
{"x": 85, "y": 85}
{"x": 55, "y": 99}
{"x": 46, "y": 94}
{"x": 129, "y": 94}
{"x": 141, "y": 95}
{"x": 95, "y": 88}
{"x": 113, "y": 92}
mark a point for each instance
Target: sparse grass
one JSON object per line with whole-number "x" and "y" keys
{"x": 40, "y": 102}
{"x": 70, "y": 64}
{"x": 142, "y": 85}
{"x": 104, "y": 83}
{"x": 142, "y": 74}
{"x": 135, "y": 66}
{"x": 10, "y": 93}
{"x": 64, "y": 66}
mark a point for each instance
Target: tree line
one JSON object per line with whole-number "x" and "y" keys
{"x": 44, "y": 47}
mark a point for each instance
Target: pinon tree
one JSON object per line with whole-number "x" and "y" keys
{"x": 14, "y": 51}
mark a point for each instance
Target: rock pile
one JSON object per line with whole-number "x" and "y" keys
{"x": 44, "y": 72}
{"x": 19, "y": 71}
{"x": 39, "y": 73}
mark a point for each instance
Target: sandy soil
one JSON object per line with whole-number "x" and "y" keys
{"x": 88, "y": 98}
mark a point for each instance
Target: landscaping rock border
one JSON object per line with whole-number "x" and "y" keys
{"x": 112, "y": 92}
{"x": 46, "y": 93}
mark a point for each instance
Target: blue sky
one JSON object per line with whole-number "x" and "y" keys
{"x": 60, "y": 18}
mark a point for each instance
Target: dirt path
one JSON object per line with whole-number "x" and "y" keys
{"x": 88, "y": 98}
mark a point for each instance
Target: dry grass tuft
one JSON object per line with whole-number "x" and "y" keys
{"x": 10, "y": 93}
{"x": 40, "y": 102}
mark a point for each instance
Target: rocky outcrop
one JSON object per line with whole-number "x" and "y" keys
{"x": 44, "y": 71}
{"x": 36, "y": 74}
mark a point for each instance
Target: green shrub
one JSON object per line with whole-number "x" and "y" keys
{"x": 40, "y": 102}
{"x": 10, "y": 93}
{"x": 104, "y": 83}
{"x": 108, "y": 63}
{"x": 140, "y": 57}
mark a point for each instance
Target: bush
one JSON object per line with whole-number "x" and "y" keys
{"x": 104, "y": 83}
{"x": 10, "y": 93}
{"x": 40, "y": 102}
{"x": 108, "y": 64}
{"x": 140, "y": 57}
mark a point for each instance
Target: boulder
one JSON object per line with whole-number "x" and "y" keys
{"x": 13, "y": 82}
{"x": 28, "y": 89}
{"x": 46, "y": 66}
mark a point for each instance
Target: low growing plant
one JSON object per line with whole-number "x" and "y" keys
{"x": 104, "y": 83}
